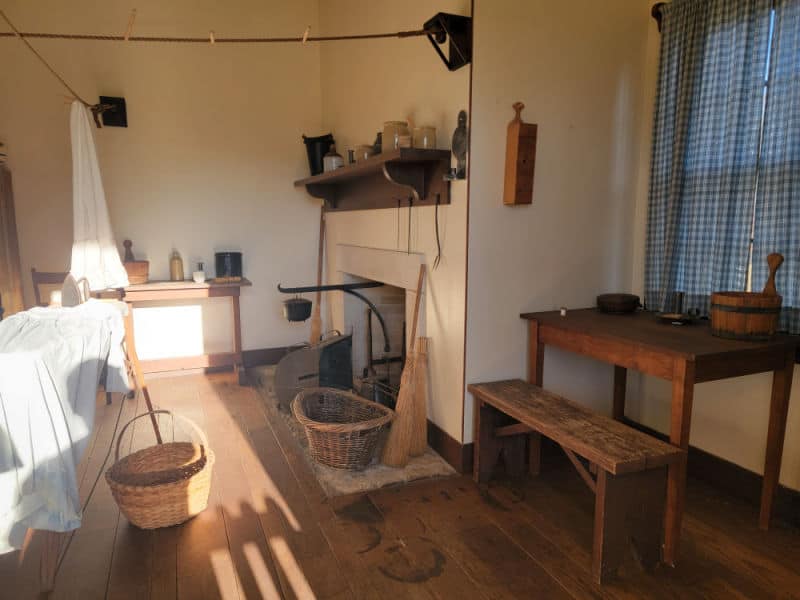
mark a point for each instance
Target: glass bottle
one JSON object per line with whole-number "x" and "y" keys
{"x": 175, "y": 267}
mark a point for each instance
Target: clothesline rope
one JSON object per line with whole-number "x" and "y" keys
{"x": 205, "y": 40}
{"x": 21, "y": 36}
{"x": 97, "y": 109}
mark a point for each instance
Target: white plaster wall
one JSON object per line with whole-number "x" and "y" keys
{"x": 209, "y": 157}
{"x": 365, "y": 83}
{"x": 587, "y": 73}
{"x": 579, "y": 68}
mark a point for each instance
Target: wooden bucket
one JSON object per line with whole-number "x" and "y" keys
{"x": 138, "y": 271}
{"x": 745, "y": 315}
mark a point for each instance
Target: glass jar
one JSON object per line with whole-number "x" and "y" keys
{"x": 393, "y": 134}
{"x": 332, "y": 160}
{"x": 363, "y": 152}
{"x": 425, "y": 137}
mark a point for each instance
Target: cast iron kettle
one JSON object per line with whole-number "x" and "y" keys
{"x": 296, "y": 309}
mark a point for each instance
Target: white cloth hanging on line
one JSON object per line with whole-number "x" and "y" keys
{"x": 94, "y": 251}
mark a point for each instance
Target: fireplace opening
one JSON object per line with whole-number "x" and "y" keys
{"x": 376, "y": 372}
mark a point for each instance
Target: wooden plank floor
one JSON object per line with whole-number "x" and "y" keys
{"x": 270, "y": 532}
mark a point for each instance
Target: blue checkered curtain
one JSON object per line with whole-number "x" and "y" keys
{"x": 705, "y": 148}
{"x": 777, "y": 221}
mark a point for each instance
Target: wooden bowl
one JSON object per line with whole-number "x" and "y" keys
{"x": 617, "y": 304}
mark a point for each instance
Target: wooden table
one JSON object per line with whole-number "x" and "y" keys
{"x": 684, "y": 355}
{"x": 184, "y": 290}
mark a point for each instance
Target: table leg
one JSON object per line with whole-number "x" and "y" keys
{"x": 535, "y": 376}
{"x": 620, "y": 382}
{"x": 130, "y": 341}
{"x": 535, "y": 354}
{"x": 778, "y": 409}
{"x": 237, "y": 339}
{"x": 680, "y": 422}
{"x": 52, "y": 550}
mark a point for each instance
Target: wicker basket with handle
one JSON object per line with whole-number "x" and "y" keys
{"x": 165, "y": 484}
{"x": 343, "y": 429}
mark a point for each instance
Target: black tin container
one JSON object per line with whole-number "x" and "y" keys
{"x": 228, "y": 264}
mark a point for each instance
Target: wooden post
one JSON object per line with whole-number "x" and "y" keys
{"x": 535, "y": 376}
{"x": 487, "y": 446}
{"x": 620, "y": 382}
{"x": 778, "y": 410}
{"x": 534, "y": 453}
{"x": 535, "y": 354}
{"x": 237, "y": 339}
{"x": 52, "y": 548}
{"x": 628, "y": 510}
{"x": 680, "y": 422}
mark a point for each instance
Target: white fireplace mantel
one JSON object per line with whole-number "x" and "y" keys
{"x": 392, "y": 267}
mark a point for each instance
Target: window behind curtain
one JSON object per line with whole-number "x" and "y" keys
{"x": 777, "y": 206}
{"x": 706, "y": 136}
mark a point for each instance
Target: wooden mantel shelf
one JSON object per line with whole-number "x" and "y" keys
{"x": 386, "y": 180}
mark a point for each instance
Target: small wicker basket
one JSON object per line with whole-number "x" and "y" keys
{"x": 343, "y": 429}
{"x": 162, "y": 485}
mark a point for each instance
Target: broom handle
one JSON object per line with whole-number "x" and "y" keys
{"x": 416, "y": 307}
{"x": 316, "y": 319}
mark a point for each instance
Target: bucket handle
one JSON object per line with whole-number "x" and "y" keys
{"x": 192, "y": 425}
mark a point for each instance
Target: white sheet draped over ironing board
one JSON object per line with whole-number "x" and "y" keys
{"x": 50, "y": 365}
{"x": 94, "y": 251}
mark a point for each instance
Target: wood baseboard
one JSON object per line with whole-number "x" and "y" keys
{"x": 210, "y": 363}
{"x": 204, "y": 361}
{"x": 733, "y": 479}
{"x": 458, "y": 455}
{"x": 263, "y": 356}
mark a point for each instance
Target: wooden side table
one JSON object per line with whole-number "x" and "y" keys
{"x": 185, "y": 290}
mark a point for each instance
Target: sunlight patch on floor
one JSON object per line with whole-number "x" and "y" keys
{"x": 224, "y": 569}
{"x": 268, "y": 488}
{"x": 287, "y": 562}
{"x": 266, "y": 587}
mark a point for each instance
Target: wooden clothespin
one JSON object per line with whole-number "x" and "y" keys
{"x": 212, "y": 40}
{"x": 305, "y": 34}
{"x": 129, "y": 28}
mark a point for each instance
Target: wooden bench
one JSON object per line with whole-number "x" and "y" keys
{"x": 630, "y": 466}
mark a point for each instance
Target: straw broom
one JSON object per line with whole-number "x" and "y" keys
{"x": 397, "y": 450}
{"x": 419, "y": 432}
{"x": 316, "y": 316}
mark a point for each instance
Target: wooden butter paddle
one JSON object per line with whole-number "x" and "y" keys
{"x": 774, "y": 261}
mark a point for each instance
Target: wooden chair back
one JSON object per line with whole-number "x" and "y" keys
{"x": 45, "y": 278}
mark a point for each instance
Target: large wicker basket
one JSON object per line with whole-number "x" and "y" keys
{"x": 343, "y": 429}
{"x": 165, "y": 484}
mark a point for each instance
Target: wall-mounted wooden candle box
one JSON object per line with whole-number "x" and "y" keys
{"x": 520, "y": 160}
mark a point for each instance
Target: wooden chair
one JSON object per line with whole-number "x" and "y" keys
{"x": 49, "y": 278}
{"x": 41, "y": 278}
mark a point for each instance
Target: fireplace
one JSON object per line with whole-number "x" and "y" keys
{"x": 378, "y": 347}
{"x": 376, "y": 372}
